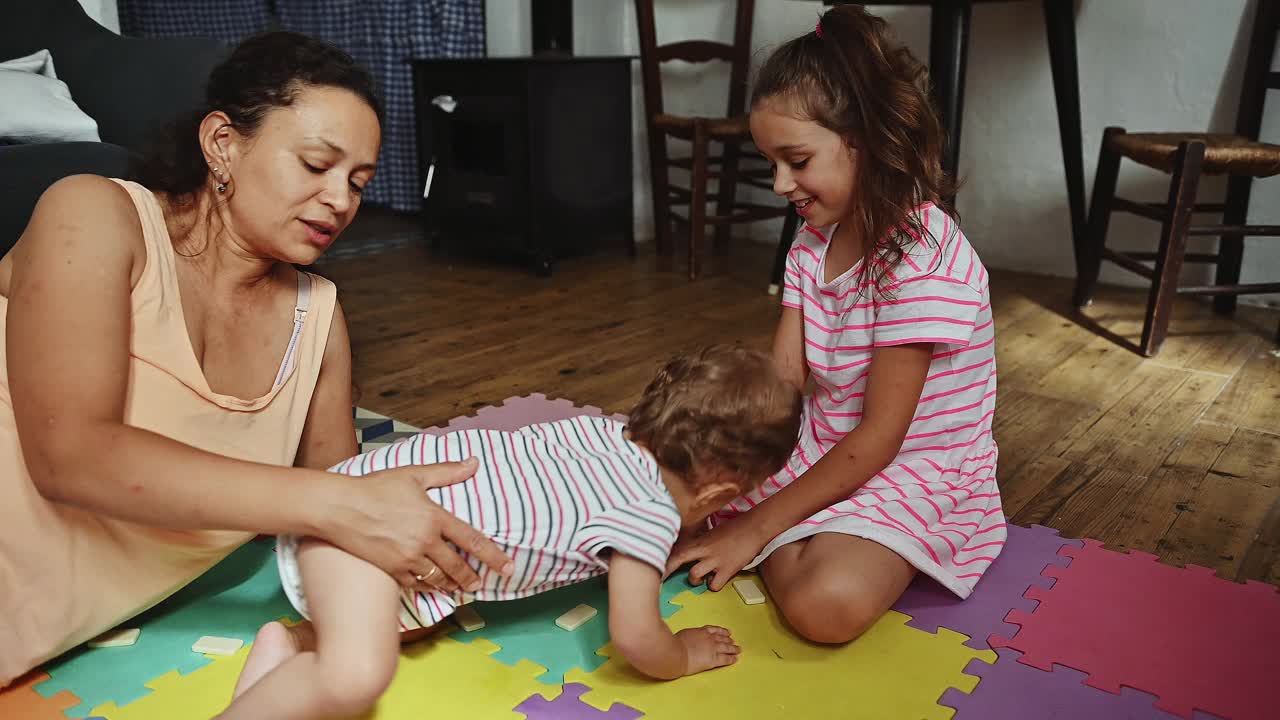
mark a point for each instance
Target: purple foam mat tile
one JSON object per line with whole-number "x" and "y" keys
{"x": 1026, "y": 553}
{"x": 517, "y": 412}
{"x": 1009, "y": 690}
{"x": 569, "y": 706}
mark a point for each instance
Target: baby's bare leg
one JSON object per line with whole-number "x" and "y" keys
{"x": 353, "y": 607}
{"x": 274, "y": 644}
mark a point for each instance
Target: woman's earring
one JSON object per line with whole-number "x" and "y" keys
{"x": 222, "y": 187}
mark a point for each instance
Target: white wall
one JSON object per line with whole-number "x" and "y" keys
{"x": 105, "y": 12}
{"x": 1146, "y": 65}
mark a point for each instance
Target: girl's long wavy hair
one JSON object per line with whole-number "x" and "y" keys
{"x": 853, "y": 78}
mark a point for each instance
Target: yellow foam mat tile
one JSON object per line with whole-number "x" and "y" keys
{"x": 892, "y": 671}
{"x": 437, "y": 677}
{"x": 201, "y": 693}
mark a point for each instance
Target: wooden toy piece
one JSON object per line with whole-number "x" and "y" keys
{"x": 468, "y": 618}
{"x": 748, "y": 591}
{"x": 211, "y": 645}
{"x": 574, "y": 619}
{"x": 120, "y": 637}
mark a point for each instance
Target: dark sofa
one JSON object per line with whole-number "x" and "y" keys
{"x": 130, "y": 86}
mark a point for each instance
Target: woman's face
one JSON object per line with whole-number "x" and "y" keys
{"x": 297, "y": 182}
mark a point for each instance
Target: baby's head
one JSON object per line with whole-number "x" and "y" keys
{"x": 722, "y": 419}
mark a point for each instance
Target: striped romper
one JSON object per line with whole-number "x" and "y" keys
{"x": 555, "y": 496}
{"x": 936, "y": 504}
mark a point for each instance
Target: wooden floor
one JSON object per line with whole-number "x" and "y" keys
{"x": 1177, "y": 455}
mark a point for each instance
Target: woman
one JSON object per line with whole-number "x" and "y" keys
{"x": 172, "y": 386}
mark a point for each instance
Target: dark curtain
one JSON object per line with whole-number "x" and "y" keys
{"x": 226, "y": 20}
{"x": 382, "y": 35}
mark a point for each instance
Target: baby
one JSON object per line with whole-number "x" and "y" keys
{"x": 567, "y": 500}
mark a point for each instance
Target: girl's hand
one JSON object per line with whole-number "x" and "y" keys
{"x": 720, "y": 553}
{"x": 387, "y": 519}
{"x": 707, "y": 647}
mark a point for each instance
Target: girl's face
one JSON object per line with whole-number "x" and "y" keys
{"x": 813, "y": 168}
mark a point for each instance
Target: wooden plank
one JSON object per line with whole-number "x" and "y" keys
{"x": 1020, "y": 488}
{"x": 1090, "y": 374}
{"x": 1097, "y": 505}
{"x": 566, "y": 358}
{"x": 1015, "y": 296}
{"x": 1148, "y": 442}
{"x": 1044, "y": 507}
{"x": 1150, "y": 513}
{"x": 1208, "y": 343}
{"x": 1224, "y": 521}
{"x": 1256, "y": 455}
{"x": 1253, "y": 455}
{"x": 1144, "y": 389}
{"x": 1262, "y": 558}
{"x": 1026, "y": 424}
{"x": 1136, "y": 432}
{"x": 1252, "y": 398}
{"x": 1034, "y": 344}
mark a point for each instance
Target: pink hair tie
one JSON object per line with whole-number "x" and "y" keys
{"x": 818, "y": 30}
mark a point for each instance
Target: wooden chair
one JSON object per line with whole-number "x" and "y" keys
{"x": 1187, "y": 156}
{"x": 730, "y": 131}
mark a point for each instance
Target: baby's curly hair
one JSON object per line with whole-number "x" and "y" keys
{"x": 721, "y": 407}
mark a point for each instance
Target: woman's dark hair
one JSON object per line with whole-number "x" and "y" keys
{"x": 264, "y": 72}
{"x": 851, "y": 77}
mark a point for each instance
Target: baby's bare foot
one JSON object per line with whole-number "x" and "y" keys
{"x": 273, "y": 645}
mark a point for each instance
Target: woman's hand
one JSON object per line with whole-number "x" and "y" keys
{"x": 392, "y": 523}
{"x": 719, "y": 553}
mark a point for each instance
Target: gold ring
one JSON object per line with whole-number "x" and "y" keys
{"x": 424, "y": 578}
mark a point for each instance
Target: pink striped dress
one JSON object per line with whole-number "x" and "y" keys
{"x": 937, "y": 504}
{"x": 557, "y": 497}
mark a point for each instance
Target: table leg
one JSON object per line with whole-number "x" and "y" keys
{"x": 1060, "y": 27}
{"x": 948, "y": 54}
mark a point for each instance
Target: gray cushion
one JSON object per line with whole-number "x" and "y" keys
{"x": 39, "y": 106}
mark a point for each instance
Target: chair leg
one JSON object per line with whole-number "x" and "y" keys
{"x": 1104, "y": 190}
{"x": 698, "y": 196}
{"x": 1173, "y": 244}
{"x": 727, "y": 191}
{"x": 658, "y": 184}
{"x": 789, "y": 226}
{"x": 1231, "y": 247}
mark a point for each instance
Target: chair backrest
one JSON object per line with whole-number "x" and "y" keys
{"x": 1258, "y": 76}
{"x": 652, "y": 55}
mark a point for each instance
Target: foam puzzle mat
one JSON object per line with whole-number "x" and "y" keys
{"x": 1057, "y": 628}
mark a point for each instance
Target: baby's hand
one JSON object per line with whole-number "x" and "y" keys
{"x": 707, "y": 647}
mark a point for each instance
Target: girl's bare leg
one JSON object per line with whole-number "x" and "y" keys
{"x": 831, "y": 587}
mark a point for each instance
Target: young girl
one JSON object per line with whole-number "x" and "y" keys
{"x": 567, "y": 500}
{"x": 885, "y": 307}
